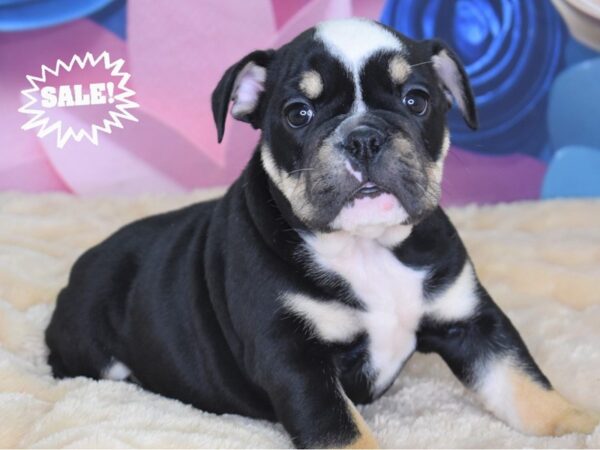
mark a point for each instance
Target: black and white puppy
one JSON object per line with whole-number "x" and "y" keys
{"x": 304, "y": 290}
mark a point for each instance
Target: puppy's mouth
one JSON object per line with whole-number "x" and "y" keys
{"x": 367, "y": 190}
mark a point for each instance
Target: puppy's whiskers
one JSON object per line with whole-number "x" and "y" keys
{"x": 301, "y": 170}
{"x": 421, "y": 63}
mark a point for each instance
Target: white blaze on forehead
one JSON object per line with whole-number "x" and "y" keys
{"x": 353, "y": 42}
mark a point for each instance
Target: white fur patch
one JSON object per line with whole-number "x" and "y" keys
{"x": 116, "y": 371}
{"x": 394, "y": 235}
{"x": 496, "y": 391}
{"x": 249, "y": 85}
{"x": 370, "y": 217}
{"x": 390, "y": 291}
{"x": 352, "y": 42}
{"x": 355, "y": 173}
{"x": 332, "y": 321}
{"x": 457, "y": 301}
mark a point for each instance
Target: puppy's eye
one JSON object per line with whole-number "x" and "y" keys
{"x": 417, "y": 101}
{"x": 298, "y": 114}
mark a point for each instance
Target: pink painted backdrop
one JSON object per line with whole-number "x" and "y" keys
{"x": 176, "y": 52}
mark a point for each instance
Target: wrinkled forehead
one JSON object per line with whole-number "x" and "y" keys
{"x": 354, "y": 41}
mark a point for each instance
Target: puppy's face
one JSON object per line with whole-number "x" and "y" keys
{"x": 353, "y": 122}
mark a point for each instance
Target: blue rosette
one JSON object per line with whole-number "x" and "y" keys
{"x": 512, "y": 51}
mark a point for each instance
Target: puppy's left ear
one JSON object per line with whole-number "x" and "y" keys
{"x": 452, "y": 74}
{"x": 243, "y": 84}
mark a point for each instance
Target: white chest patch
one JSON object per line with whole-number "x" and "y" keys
{"x": 331, "y": 321}
{"x": 392, "y": 295}
{"x": 390, "y": 291}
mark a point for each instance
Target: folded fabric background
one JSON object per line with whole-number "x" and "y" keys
{"x": 539, "y": 260}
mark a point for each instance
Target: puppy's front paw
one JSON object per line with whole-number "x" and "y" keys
{"x": 545, "y": 412}
{"x": 364, "y": 442}
{"x": 576, "y": 421}
{"x": 553, "y": 415}
{"x": 365, "y": 437}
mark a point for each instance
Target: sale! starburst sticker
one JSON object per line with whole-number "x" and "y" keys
{"x": 94, "y": 86}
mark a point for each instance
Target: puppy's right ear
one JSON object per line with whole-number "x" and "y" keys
{"x": 243, "y": 84}
{"x": 453, "y": 76}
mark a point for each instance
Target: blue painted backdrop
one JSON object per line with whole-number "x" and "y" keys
{"x": 516, "y": 53}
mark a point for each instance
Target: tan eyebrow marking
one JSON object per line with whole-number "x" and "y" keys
{"x": 399, "y": 69}
{"x": 311, "y": 84}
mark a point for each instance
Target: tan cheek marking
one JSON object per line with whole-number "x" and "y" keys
{"x": 435, "y": 170}
{"x": 311, "y": 84}
{"x": 329, "y": 157}
{"x": 546, "y": 412}
{"x": 292, "y": 187}
{"x": 429, "y": 172}
{"x": 445, "y": 145}
{"x": 404, "y": 147}
{"x": 399, "y": 69}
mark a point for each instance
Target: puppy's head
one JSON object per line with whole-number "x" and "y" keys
{"x": 353, "y": 121}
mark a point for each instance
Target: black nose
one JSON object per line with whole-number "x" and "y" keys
{"x": 364, "y": 142}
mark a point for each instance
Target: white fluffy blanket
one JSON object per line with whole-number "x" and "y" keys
{"x": 540, "y": 261}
